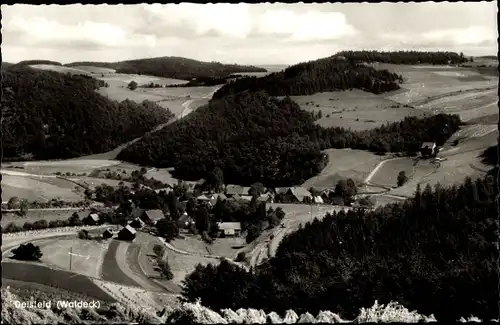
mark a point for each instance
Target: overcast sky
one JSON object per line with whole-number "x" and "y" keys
{"x": 242, "y": 33}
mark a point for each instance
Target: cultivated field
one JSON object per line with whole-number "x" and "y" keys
{"x": 182, "y": 265}
{"x": 77, "y": 166}
{"x": 94, "y": 70}
{"x": 38, "y": 189}
{"x": 344, "y": 163}
{"x": 87, "y": 255}
{"x": 60, "y": 69}
{"x": 226, "y": 247}
{"x": 60, "y": 279}
{"x": 34, "y": 215}
{"x": 387, "y": 174}
{"x": 161, "y": 174}
{"x": 356, "y": 109}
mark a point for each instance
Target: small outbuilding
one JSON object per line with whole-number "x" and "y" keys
{"x": 428, "y": 149}
{"x": 91, "y": 220}
{"x": 232, "y": 229}
{"x": 107, "y": 234}
{"x": 127, "y": 233}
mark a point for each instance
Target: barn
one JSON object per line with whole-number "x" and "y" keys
{"x": 127, "y": 233}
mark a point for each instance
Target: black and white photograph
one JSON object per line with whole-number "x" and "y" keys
{"x": 250, "y": 163}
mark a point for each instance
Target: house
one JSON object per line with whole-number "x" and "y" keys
{"x": 137, "y": 223}
{"x": 229, "y": 229}
{"x": 232, "y": 190}
{"x": 428, "y": 149}
{"x": 150, "y": 217}
{"x": 281, "y": 190}
{"x": 91, "y": 220}
{"x": 298, "y": 194}
{"x": 268, "y": 198}
{"x": 318, "y": 199}
{"x": 107, "y": 234}
{"x": 166, "y": 189}
{"x": 127, "y": 233}
{"x": 184, "y": 221}
{"x": 220, "y": 196}
{"x": 246, "y": 198}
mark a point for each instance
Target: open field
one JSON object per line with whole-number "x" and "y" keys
{"x": 344, "y": 163}
{"x": 122, "y": 79}
{"x": 161, "y": 174}
{"x": 60, "y": 279}
{"x": 111, "y": 268}
{"x": 34, "y": 215}
{"x": 387, "y": 174}
{"x": 38, "y": 189}
{"x": 220, "y": 247}
{"x": 87, "y": 255}
{"x": 77, "y": 166}
{"x": 60, "y": 69}
{"x": 94, "y": 70}
{"x": 354, "y": 109}
{"x": 182, "y": 265}
{"x": 141, "y": 259}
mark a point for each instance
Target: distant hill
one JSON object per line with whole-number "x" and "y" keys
{"x": 252, "y": 138}
{"x": 487, "y": 57}
{"x": 48, "y": 115}
{"x": 405, "y": 57}
{"x": 327, "y": 74}
{"x": 172, "y": 67}
{"x": 33, "y": 62}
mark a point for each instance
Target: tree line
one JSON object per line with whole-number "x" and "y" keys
{"x": 435, "y": 253}
{"x": 328, "y": 74}
{"x": 405, "y": 57}
{"x": 172, "y": 67}
{"x": 34, "y": 62}
{"x": 252, "y": 138}
{"x": 49, "y": 115}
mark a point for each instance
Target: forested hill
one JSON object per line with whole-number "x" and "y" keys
{"x": 437, "y": 253}
{"x": 49, "y": 115}
{"x": 34, "y": 62}
{"x": 328, "y": 74}
{"x": 405, "y": 57}
{"x": 173, "y": 67}
{"x": 252, "y": 138}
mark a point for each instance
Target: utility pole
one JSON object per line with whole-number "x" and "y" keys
{"x": 70, "y": 256}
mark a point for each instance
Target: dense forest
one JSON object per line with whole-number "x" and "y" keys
{"x": 405, "y": 57}
{"x": 172, "y": 67}
{"x": 252, "y": 138}
{"x": 49, "y": 115}
{"x": 34, "y": 62}
{"x": 328, "y": 74}
{"x": 435, "y": 253}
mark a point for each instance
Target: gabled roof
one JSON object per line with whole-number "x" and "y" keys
{"x": 166, "y": 189}
{"x": 232, "y": 189}
{"x": 300, "y": 192}
{"x": 155, "y": 215}
{"x": 246, "y": 197}
{"x": 203, "y": 197}
{"x": 281, "y": 190}
{"x": 220, "y": 196}
{"x": 136, "y": 212}
{"x": 229, "y": 225}
{"x": 129, "y": 229}
{"x": 318, "y": 199}
{"x": 94, "y": 216}
{"x": 428, "y": 145}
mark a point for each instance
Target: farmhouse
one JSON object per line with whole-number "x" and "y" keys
{"x": 232, "y": 190}
{"x": 229, "y": 229}
{"x": 281, "y": 190}
{"x": 150, "y": 217}
{"x": 127, "y": 233}
{"x": 268, "y": 198}
{"x": 137, "y": 223}
{"x": 428, "y": 149}
{"x": 184, "y": 221}
{"x": 107, "y": 234}
{"x": 91, "y": 220}
{"x": 166, "y": 189}
{"x": 318, "y": 199}
{"x": 298, "y": 194}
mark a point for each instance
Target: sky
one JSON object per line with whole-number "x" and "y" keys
{"x": 258, "y": 34}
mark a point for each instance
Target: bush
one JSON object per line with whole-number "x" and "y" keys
{"x": 12, "y": 227}
{"x": 28, "y": 226}
{"x": 27, "y": 252}
{"x": 241, "y": 257}
{"x": 83, "y": 234}
{"x": 165, "y": 271}
{"x": 40, "y": 224}
{"x": 159, "y": 250}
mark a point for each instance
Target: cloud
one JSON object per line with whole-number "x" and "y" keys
{"x": 465, "y": 36}
{"x": 308, "y": 26}
{"x": 38, "y": 31}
